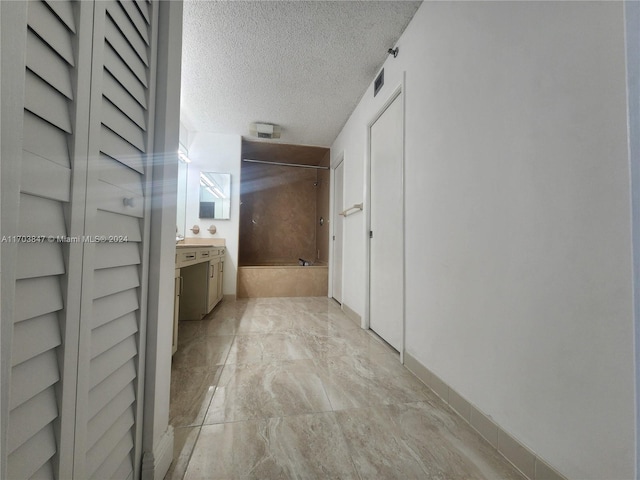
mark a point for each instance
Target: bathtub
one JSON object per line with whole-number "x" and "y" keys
{"x": 269, "y": 280}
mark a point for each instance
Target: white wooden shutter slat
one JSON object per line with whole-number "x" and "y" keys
{"x": 32, "y": 455}
{"x": 120, "y": 97}
{"x": 108, "y": 336}
{"x": 110, "y": 198}
{"x": 64, "y": 11}
{"x": 125, "y": 470}
{"x": 119, "y": 149}
{"x": 129, "y": 33}
{"x": 112, "y": 360}
{"x": 43, "y": 139}
{"x": 108, "y": 223}
{"x": 32, "y": 416}
{"x": 108, "y": 281}
{"x": 118, "y": 174}
{"x": 116, "y": 121}
{"x": 51, "y": 30}
{"x": 101, "y": 394}
{"x": 126, "y": 51}
{"x": 33, "y": 376}
{"x": 143, "y": 7}
{"x": 120, "y": 439}
{"x": 44, "y": 178}
{"x": 106, "y": 309}
{"x": 35, "y": 336}
{"x": 126, "y": 77}
{"x": 117, "y": 254}
{"x": 36, "y": 297}
{"x": 99, "y": 424}
{"x": 141, "y": 24}
{"x": 50, "y": 68}
{"x": 45, "y": 473}
{"x": 39, "y": 259}
{"x": 44, "y": 101}
{"x": 40, "y": 216}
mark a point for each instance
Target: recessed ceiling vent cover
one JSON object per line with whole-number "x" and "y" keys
{"x": 265, "y": 130}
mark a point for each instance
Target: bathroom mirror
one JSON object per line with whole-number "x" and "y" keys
{"x": 181, "y": 201}
{"x": 215, "y": 195}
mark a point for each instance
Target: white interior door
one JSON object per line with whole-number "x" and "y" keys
{"x": 386, "y": 287}
{"x": 336, "y": 267}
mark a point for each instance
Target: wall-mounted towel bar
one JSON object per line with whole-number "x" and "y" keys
{"x": 356, "y": 206}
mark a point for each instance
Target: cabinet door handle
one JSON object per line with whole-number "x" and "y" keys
{"x": 181, "y": 285}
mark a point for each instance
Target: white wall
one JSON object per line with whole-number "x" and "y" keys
{"x": 518, "y": 228}
{"x": 212, "y": 152}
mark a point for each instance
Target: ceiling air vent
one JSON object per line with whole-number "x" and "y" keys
{"x": 265, "y": 130}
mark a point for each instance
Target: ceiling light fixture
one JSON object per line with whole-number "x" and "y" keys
{"x": 265, "y": 130}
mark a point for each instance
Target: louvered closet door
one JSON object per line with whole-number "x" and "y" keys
{"x": 113, "y": 308}
{"x": 45, "y": 335}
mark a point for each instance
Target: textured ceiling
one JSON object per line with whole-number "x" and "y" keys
{"x": 303, "y": 65}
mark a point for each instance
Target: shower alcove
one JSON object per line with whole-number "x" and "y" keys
{"x": 281, "y": 207}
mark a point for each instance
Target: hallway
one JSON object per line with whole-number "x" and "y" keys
{"x": 291, "y": 388}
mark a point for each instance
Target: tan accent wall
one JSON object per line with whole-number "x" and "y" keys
{"x": 280, "y": 205}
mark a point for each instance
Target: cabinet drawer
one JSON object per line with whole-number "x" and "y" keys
{"x": 186, "y": 256}
{"x": 204, "y": 254}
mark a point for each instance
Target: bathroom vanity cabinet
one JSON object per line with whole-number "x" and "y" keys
{"x": 199, "y": 274}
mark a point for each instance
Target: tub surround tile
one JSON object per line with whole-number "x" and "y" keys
{"x": 279, "y": 281}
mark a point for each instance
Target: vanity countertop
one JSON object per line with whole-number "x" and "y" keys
{"x": 201, "y": 242}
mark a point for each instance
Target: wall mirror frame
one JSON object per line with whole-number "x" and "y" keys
{"x": 181, "y": 201}
{"x": 215, "y": 195}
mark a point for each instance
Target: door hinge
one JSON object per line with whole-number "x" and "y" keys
{"x": 370, "y": 233}
{"x": 334, "y": 238}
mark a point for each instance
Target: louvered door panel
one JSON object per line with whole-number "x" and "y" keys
{"x": 37, "y": 343}
{"x": 115, "y": 271}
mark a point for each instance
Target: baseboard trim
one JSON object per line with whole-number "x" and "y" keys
{"x": 229, "y": 297}
{"x": 351, "y": 314}
{"x": 156, "y": 463}
{"x": 527, "y": 462}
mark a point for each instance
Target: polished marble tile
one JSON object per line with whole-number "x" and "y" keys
{"x": 308, "y": 446}
{"x": 265, "y": 323}
{"x": 446, "y": 446}
{"x": 305, "y": 393}
{"x": 301, "y": 446}
{"x": 262, "y": 390}
{"x": 268, "y": 348}
{"x": 191, "y": 393}
{"x": 203, "y": 351}
{"x": 184, "y": 439}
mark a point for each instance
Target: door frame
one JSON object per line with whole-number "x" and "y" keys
{"x": 334, "y": 220}
{"x": 398, "y": 91}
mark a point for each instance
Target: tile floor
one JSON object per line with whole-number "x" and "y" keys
{"x": 278, "y": 388}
